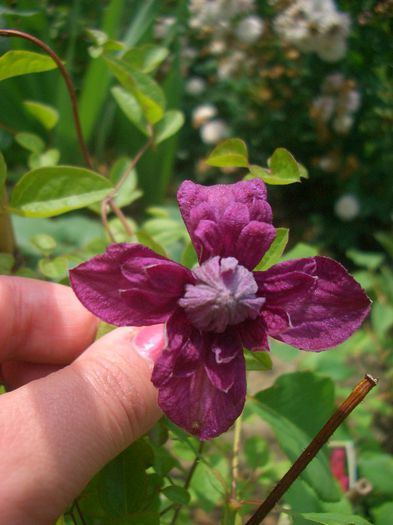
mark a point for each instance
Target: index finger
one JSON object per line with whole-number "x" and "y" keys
{"x": 42, "y": 322}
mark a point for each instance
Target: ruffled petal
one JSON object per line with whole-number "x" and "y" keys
{"x": 216, "y": 217}
{"x": 253, "y": 242}
{"x": 224, "y": 359}
{"x": 253, "y": 334}
{"x": 277, "y": 321}
{"x": 130, "y": 285}
{"x": 195, "y": 391}
{"x": 322, "y": 314}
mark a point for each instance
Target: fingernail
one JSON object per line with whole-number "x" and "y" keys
{"x": 150, "y": 341}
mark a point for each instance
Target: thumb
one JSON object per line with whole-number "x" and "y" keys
{"x": 60, "y": 430}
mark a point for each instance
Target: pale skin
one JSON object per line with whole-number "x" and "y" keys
{"x": 74, "y": 403}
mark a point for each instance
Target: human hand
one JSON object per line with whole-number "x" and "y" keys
{"x": 76, "y": 403}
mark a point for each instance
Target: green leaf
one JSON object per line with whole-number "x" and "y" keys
{"x": 146, "y": 57}
{"x": 146, "y": 91}
{"x": 50, "y": 157}
{"x": 46, "y": 192}
{"x": 15, "y": 63}
{"x": 3, "y": 175}
{"x": 46, "y": 115}
{"x": 6, "y": 263}
{"x": 382, "y": 318}
{"x": 57, "y": 268}
{"x": 229, "y": 153}
{"x": 131, "y": 108}
{"x": 282, "y": 406}
{"x": 299, "y": 251}
{"x": 332, "y": 518}
{"x": 283, "y": 169}
{"x": 369, "y": 260}
{"x": 292, "y": 392}
{"x": 170, "y": 124}
{"x": 382, "y": 514}
{"x": 386, "y": 240}
{"x": 30, "y": 141}
{"x": 189, "y": 257}
{"x": 377, "y": 468}
{"x": 258, "y": 360}
{"x": 128, "y": 191}
{"x": 147, "y": 240}
{"x": 274, "y": 253}
{"x": 177, "y": 494}
{"x": 123, "y": 483}
{"x": 44, "y": 243}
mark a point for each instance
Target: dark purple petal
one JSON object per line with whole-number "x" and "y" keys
{"x": 253, "y": 334}
{"x": 321, "y": 315}
{"x": 253, "y": 242}
{"x": 130, "y": 285}
{"x": 224, "y": 359}
{"x": 216, "y": 217}
{"x": 281, "y": 287}
{"x": 197, "y": 392}
{"x": 277, "y": 321}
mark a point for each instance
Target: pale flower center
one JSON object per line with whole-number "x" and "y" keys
{"x": 224, "y": 294}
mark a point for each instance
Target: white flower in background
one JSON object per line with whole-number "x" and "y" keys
{"x": 353, "y": 101}
{"x": 347, "y": 207}
{"x": 315, "y": 26}
{"x": 195, "y": 86}
{"x": 217, "y": 47}
{"x": 214, "y": 131}
{"x": 202, "y": 114}
{"x": 323, "y": 107}
{"x": 212, "y": 15}
{"x": 231, "y": 64}
{"x": 342, "y": 124}
{"x": 163, "y": 26}
{"x": 338, "y": 103}
{"x": 250, "y": 29}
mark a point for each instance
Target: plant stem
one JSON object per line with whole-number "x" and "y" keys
{"x": 189, "y": 478}
{"x": 67, "y": 79}
{"x": 109, "y": 199}
{"x": 7, "y": 237}
{"x": 356, "y": 396}
{"x": 235, "y": 456}
{"x": 77, "y": 506}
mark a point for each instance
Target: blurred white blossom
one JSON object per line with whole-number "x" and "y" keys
{"x": 347, "y": 207}
{"x": 214, "y": 131}
{"x": 250, "y": 29}
{"x": 195, "y": 86}
{"x": 229, "y": 65}
{"x": 315, "y": 26}
{"x": 338, "y": 103}
{"x": 202, "y": 114}
{"x": 163, "y": 26}
{"x": 215, "y": 14}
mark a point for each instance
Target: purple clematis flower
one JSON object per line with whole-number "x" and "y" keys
{"x": 221, "y": 306}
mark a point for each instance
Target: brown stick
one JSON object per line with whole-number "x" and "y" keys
{"x": 109, "y": 199}
{"x": 67, "y": 78}
{"x": 352, "y": 401}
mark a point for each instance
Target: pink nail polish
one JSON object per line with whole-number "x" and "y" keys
{"x": 150, "y": 341}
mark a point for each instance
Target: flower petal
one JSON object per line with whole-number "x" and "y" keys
{"x": 253, "y": 334}
{"x": 186, "y": 375}
{"x": 216, "y": 216}
{"x": 130, "y": 285}
{"x": 224, "y": 359}
{"x": 253, "y": 242}
{"x": 321, "y": 315}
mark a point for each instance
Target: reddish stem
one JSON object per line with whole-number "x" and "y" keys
{"x": 67, "y": 79}
{"x": 356, "y": 396}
